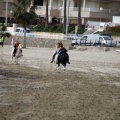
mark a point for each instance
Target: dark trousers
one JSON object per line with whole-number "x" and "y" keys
{"x": 1, "y": 43}
{"x": 14, "y": 51}
{"x": 53, "y": 57}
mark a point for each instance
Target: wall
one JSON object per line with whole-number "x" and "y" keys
{"x": 116, "y": 38}
{"x": 1, "y": 6}
{"x": 38, "y": 42}
{"x": 43, "y": 42}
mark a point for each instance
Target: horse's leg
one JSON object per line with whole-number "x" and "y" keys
{"x": 64, "y": 65}
{"x": 64, "y": 68}
{"x": 17, "y": 61}
{"x": 58, "y": 66}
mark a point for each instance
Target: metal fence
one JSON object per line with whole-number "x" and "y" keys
{"x": 111, "y": 43}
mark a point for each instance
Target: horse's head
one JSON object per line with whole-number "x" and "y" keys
{"x": 20, "y": 46}
{"x": 19, "y": 51}
{"x": 62, "y": 55}
{"x": 63, "y": 58}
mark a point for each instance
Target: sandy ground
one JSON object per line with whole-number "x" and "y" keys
{"x": 89, "y": 89}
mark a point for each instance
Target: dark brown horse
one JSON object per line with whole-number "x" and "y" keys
{"x": 62, "y": 59}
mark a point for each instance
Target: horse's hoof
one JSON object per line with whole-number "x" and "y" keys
{"x": 64, "y": 68}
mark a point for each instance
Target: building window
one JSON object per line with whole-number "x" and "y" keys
{"x": 38, "y": 2}
{"x": 61, "y": 3}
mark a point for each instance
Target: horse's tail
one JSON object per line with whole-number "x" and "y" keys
{"x": 12, "y": 52}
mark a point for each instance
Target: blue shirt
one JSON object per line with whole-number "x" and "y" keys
{"x": 61, "y": 51}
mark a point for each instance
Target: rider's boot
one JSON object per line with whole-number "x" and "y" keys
{"x": 68, "y": 62}
{"x": 51, "y": 61}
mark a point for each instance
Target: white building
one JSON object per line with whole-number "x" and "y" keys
{"x": 91, "y": 10}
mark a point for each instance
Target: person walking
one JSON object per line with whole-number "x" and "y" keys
{"x": 1, "y": 41}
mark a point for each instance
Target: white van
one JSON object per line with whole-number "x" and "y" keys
{"x": 90, "y": 39}
{"x": 20, "y": 32}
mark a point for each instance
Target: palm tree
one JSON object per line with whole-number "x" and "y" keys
{"x": 64, "y": 24}
{"x": 24, "y": 15}
{"x": 3, "y": 32}
{"x": 46, "y": 19}
{"x": 79, "y": 13}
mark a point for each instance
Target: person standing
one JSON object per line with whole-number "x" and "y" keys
{"x": 1, "y": 41}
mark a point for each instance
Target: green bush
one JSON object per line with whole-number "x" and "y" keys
{"x": 80, "y": 30}
{"x": 46, "y": 29}
{"x": 71, "y": 29}
{"x": 114, "y": 31}
{"x": 56, "y": 29}
{"x": 39, "y": 28}
{"x": 53, "y": 28}
{"x": 59, "y": 29}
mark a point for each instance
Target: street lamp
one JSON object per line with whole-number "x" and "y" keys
{"x": 6, "y": 13}
{"x": 67, "y": 18}
{"x": 11, "y": 12}
{"x": 101, "y": 9}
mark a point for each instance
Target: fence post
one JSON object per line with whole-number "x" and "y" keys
{"x": 106, "y": 43}
{"x": 111, "y": 44}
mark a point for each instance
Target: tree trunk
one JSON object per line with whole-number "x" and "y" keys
{"x": 79, "y": 13}
{"x": 24, "y": 44}
{"x": 64, "y": 25}
{"x": 46, "y": 19}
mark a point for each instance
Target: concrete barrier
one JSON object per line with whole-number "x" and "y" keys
{"x": 37, "y": 42}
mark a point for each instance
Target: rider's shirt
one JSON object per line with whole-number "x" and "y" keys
{"x": 63, "y": 50}
{"x": 16, "y": 44}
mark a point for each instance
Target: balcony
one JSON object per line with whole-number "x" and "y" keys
{"x": 73, "y": 12}
{"x": 12, "y": 1}
{"x": 87, "y": 13}
{"x": 41, "y": 10}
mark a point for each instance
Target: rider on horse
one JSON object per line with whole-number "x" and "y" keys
{"x": 62, "y": 50}
{"x": 16, "y": 45}
{"x": 59, "y": 49}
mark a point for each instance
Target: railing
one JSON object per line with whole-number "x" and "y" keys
{"x": 97, "y": 43}
{"x": 76, "y": 9}
{"x": 87, "y": 9}
{"x": 59, "y": 37}
{"x": 44, "y": 7}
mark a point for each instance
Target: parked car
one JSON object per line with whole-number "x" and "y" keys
{"x": 107, "y": 41}
{"x": 20, "y": 32}
{"x": 90, "y": 39}
{"x": 103, "y": 34}
{"x": 72, "y": 37}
